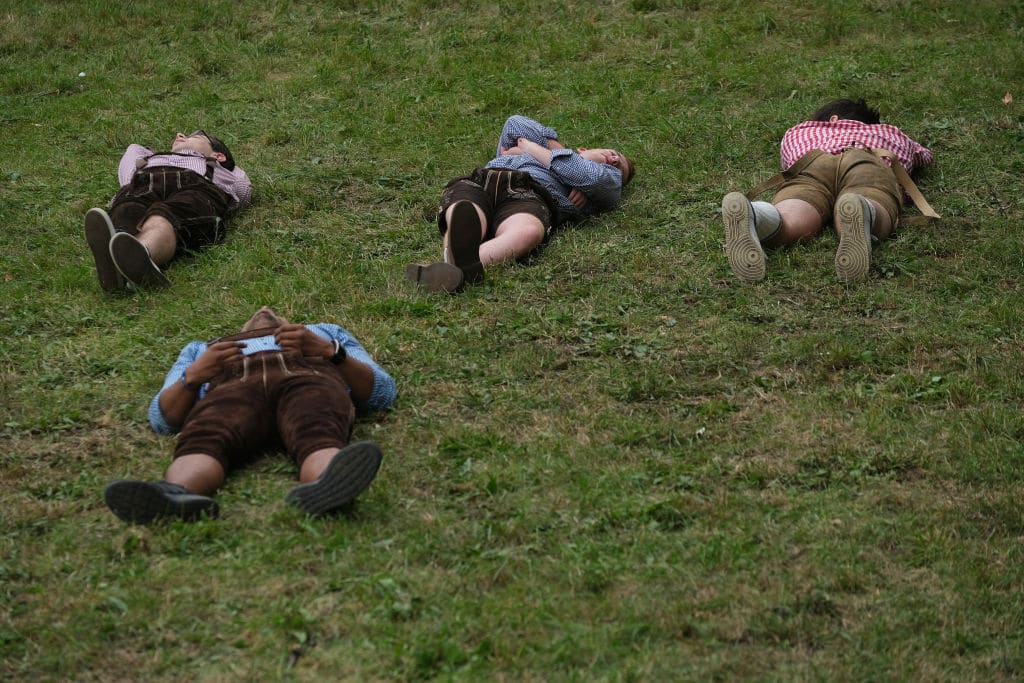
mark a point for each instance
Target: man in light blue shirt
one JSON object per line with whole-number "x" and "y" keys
{"x": 505, "y": 209}
{"x": 275, "y": 384}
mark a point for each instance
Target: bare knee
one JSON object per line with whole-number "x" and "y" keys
{"x": 800, "y": 221}
{"x": 197, "y": 472}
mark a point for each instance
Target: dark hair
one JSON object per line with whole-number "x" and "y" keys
{"x": 218, "y": 146}
{"x": 631, "y": 167}
{"x": 854, "y": 110}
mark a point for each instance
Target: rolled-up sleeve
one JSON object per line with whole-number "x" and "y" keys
{"x": 126, "y": 168}
{"x": 517, "y": 126}
{"x": 188, "y": 355}
{"x": 384, "y": 390}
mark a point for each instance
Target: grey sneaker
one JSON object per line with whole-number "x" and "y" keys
{"x": 133, "y": 262}
{"x": 853, "y": 223}
{"x": 99, "y": 230}
{"x": 746, "y": 257}
{"x": 141, "y": 502}
{"x": 464, "y": 242}
{"x": 347, "y": 475}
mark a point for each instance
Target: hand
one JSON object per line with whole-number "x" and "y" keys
{"x": 578, "y": 199}
{"x": 212, "y": 361}
{"x": 295, "y": 337}
{"x": 511, "y": 150}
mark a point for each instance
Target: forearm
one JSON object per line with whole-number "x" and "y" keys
{"x": 176, "y": 401}
{"x": 538, "y": 152}
{"x": 359, "y": 377}
{"x": 357, "y": 374}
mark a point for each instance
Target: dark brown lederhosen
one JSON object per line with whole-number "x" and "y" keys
{"x": 267, "y": 400}
{"x": 193, "y": 204}
{"x": 500, "y": 193}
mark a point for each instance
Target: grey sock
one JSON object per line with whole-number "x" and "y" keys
{"x": 767, "y": 220}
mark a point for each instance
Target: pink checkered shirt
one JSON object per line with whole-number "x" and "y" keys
{"x": 834, "y": 137}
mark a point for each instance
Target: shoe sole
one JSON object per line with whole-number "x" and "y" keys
{"x": 142, "y": 502}
{"x": 435, "y": 277}
{"x": 349, "y": 473}
{"x": 133, "y": 262}
{"x": 99, "y": 230}
{"x": 853, "y": 257}
{"x": 746, "y": 257}
{"x": 464, "y": 242}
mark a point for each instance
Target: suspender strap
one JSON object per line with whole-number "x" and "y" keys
{"x": 903, "y": 178}
{"x": 211, "y": 163}
{"x": 776, "y": 181}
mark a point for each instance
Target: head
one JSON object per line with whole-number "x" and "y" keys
{"x": 853, "y": 110}
{"x": 265, "y": 317}
{"x": 613, "y": 158}
{"x": 207, "y": 145}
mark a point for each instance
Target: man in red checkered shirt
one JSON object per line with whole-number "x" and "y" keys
{"x": 835, "y": 175}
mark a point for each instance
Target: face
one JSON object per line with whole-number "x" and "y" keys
{"x": 605, "y": 156}
{"x": 265, "y": 317}
{"x": 197, "y": 141}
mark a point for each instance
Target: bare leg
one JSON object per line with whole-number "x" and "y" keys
{"x": 800, "y": 221}
{"x": 315, "y": 464}
{"x": 197, "y": 472}
{"x": 157, "y": 234}
{"x": 517, "y": 236}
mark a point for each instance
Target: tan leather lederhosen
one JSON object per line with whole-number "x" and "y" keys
{"x": 928, "y": 214}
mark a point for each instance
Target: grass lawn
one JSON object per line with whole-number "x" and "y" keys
{"x": 613, "y": 462}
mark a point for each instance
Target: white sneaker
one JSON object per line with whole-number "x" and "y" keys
{"x": 746, "y": 257}
{"x": 853, "y": 223}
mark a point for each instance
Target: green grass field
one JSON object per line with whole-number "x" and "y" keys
{"x": 613, "y": 462}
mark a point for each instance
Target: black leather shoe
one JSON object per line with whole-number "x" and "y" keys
{"x": 141, "y": 502}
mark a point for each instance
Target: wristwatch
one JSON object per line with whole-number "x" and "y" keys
{"x": 339, "y": 354}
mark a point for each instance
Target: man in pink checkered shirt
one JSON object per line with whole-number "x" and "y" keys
{"x": 834, "y": 175}
{"x": 169, "y": 202}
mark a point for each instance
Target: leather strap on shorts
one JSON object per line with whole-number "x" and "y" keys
{"x": 776, "y": 181}
{"x": 903, "y": 178}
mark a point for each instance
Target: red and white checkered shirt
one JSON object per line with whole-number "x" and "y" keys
{"x": 835, "y": 136}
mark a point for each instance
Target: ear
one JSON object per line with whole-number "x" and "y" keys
{"x": 833, "y": 118}
{"x": 219, "y": 157}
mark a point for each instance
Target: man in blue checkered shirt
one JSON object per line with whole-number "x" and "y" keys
{"x": 505, "y": 209}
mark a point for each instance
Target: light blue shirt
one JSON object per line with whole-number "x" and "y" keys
{"x": 601, "y": 183}
{"x": 381, "y": 398}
